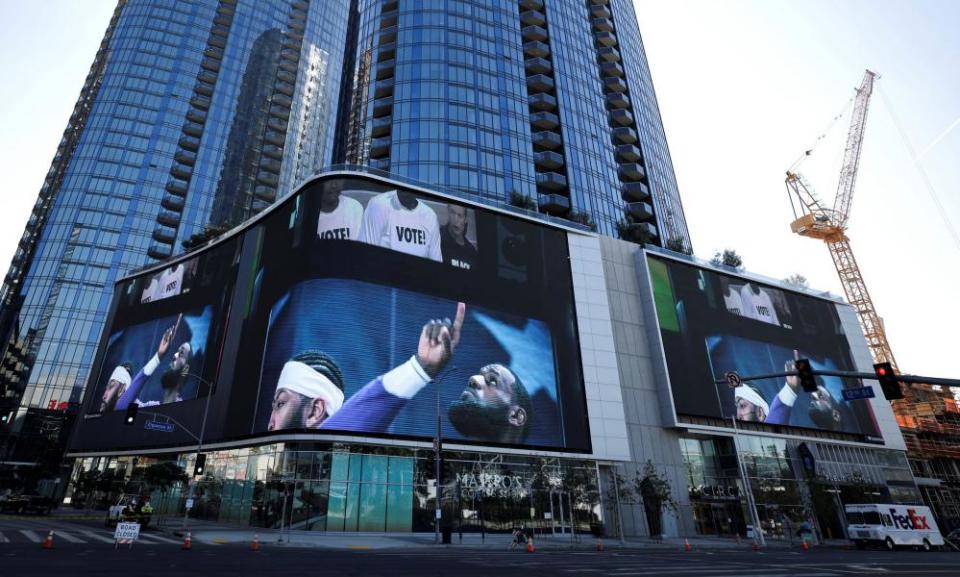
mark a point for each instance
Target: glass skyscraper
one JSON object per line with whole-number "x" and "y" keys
{"x": 197, "y": 114}
{"x": 545, "y": 104}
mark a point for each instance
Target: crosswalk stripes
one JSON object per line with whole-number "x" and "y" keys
{"x": 152, "y": 536}
{"x": 67, "y": 537}
{"x": 96, "y": 536}
{"x": 3, "y": 538}
{"x": 32, "y": 535}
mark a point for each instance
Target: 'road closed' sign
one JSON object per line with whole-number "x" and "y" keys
{"x": 127, "y": 533}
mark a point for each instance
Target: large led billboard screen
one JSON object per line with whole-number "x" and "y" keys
{"x": 712, "y": 323}
{"x": 360, "y": 307}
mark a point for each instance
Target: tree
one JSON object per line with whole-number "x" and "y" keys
{"x": 728, "y": 257}
{"x": 521, "y": 200}
{"x": 655, "y": 493}
{"x": 797, "y": 280}
{"x": 633, "y": 232}
{"x": 209, "y": 232}
{"x": 582, "y": 217}
{"x": 162, "y": 476}
{"x": 678, "y": 245}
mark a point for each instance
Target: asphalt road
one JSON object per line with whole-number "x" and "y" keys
{"x": 84, "y": 549}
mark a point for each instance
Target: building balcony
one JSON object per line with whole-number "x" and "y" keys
{"x": 539, "y": 83}
{"x": 287, "y": 76}
{"x": 189, "y": 143}
{"x": 222, "y": 20}
{"x": 611, "y": 69}
{"x": 600, "y": 11}
{"x": 640, "y": 211}
{"x": 552, "y": 181}
{"x": 380, "y": 147}
{"x": 599, "y": 2}
{"x": 164, "y": 235}
{"x": 278, "y": 124}
{"x": 532, "y": 4}
{"x": 273, "y": 151}
{"x": 533, "y": 33}
{"x": 220, "y": 30}
{"x": 225, "y": 9}
{"x": 201, "y": 102}
{"x": 211, "y": 64}
{"x": 634, "y": 191}
{"x": 284, "y": 87}
{"x": 621, "y": 117}
{"x": 625, "y": 135}
{"x": 385, "y": 69}
{"x": 290, "y": 43}
{"x": 268, "y": 179}
{"x": 544, "y": 120}
{"x": 387, "y": 51}
{"x": 383, "y": 88}
{"x": 536, "y": 49}
{"x": 185, "y": 157}
{"x": 382, "y": 164}
{"x": 533, "y": 18}
{"x": 382, "y": 106}
{"x": 602, "y": 24}
{"x": 181, "y": 171}
{"x": 298, "y": 25}
{"x": 606, "y": 38}
{"x": 282, "y": 100}
{"x": 270, "y": 164}
{"x": 174, "y": 203}
{"x": 381, "y": 126}
{"x": 197, "y": 116}
{"x": 388, "y": 5}
{"x": 159, "y": 251}
{"x": 642, "y": 230}
{"x": 631, "y": 171}
{"x": 389, "y": 19}
{"x": 290, "y": 55}
{"x": 213, "y": 52}
{"x": 538, "y": 66}
{"x": 288, "y": 65}
{"x": 265, "y": 193}
{"x": 546, "y": 139}
{"x": 553, "y": 203}
{"x": 543, "y": 101}
{"x": 614, "y": 84}
{"x": 203, "y": 88}
{"x": 168, "y": 218}
{"x": 177, "y": 187}
{"x": 618, "y": 100}
{"x": 388, "y": 35}
{"x": 298, "y": 14}
{"x": 275, "y": 138}
{"x": 548, "y": 160}
{"x": 218, "y": 41}
{"x": 609, "y": 54}
{"x": 628, "y": 153}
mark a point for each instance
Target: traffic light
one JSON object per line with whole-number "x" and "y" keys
{"x": 198, "y": 466}
{"x": 131, "y": 413}
{"x": 888, "y": 381}
{"x": 805, "y": 372}
{"x": 4, "y": 418}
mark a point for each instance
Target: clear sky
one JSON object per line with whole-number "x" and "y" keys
{"x": 745, "y": 86}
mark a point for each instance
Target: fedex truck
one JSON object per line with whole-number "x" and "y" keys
{"x": 893, "y": 526}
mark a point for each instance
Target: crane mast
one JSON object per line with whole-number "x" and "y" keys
{"x": 830, "y": 225}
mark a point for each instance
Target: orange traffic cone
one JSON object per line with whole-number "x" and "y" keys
{"x": 255, "y": 544}
{"x": 686, "y": 545}
{"x": 48, "y": 542}
{"x": 530, "y": 547}
{"x": 187, "y": 542}
{"x": 600, "y": 545}
{"x": 804, "y": 545}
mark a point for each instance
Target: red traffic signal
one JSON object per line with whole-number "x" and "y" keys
{"x": 888, "y": 381}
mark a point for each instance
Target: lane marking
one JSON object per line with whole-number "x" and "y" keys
{"x": 32, "y": 535}
{"x": 67, "y": 537}
{"x": 97, "y": 537}
{"x": 159, "y": 538}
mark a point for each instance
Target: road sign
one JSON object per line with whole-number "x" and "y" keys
{"x": 858, "y": 393}
{"x": 126, "y": 533}
{"x": 733, "y": 379}
{"x": 158, "y": 426}
{"x": 189, "y": 504}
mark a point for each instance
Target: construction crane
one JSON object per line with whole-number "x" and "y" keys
{"x": 815, "y": 220}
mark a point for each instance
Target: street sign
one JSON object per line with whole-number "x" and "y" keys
{"x": 126, "y": 534}
{"x": 858, "y": 393}
{"x": 158, "y": 426}
{"x": 189, "y": 504}
{"x": 733, "y": 379}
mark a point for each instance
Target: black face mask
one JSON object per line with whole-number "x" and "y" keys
{"x": 474, "y": 419}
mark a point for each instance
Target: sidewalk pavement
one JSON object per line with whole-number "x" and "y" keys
{"x": 220, "y": 534}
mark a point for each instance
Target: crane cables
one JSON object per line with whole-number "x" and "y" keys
{"x": 809, "y": 151}
{"x": 928, "y": 185}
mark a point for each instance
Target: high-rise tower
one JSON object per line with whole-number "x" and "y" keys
{"x": 195, "y": 112}
{"x": 546, "y": 104}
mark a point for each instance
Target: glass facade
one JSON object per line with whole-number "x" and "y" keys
{"x": 353, "y": 488}
{"x": 544, "y": 105}
{"x": 188, "y": 104}
{"x": 787, "y": 490}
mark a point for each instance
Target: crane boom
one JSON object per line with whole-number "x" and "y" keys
{"x": 851, "y": 153}
{"x": 830, "y": 225}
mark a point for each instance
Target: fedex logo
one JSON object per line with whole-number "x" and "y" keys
{"x": 910, "y": 521}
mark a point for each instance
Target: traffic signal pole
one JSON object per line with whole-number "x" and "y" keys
{"x": 852, "y": 375}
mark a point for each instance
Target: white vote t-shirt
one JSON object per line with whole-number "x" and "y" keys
{"x": 389, "y": 224}
{"x": 758, "y": 305}
{"x": 733, "y": 302}
{"x": 343, "y": 223}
